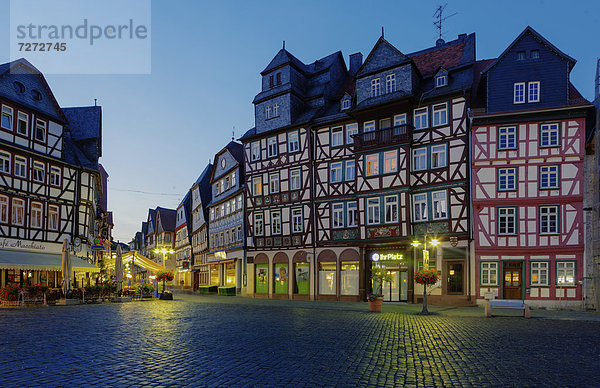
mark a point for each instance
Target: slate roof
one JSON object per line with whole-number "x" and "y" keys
{"x": 203, "y": 182}
{"x": 383, "y": 56}
{"x": 449, "y": 55}
{"x": 284, "y": 57}
{"x": 237, "y": 151}
{"x": 72, "y": 154}
{"x": 85, "y": 122}
{"x": 167, "y": 219}
{"x": 478, "y": 94}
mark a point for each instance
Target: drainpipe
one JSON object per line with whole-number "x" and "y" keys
{"x": 470, "y": 239}
{"x": 314, "y": 211}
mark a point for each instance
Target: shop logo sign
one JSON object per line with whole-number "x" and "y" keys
{"x": 387, "y": 257}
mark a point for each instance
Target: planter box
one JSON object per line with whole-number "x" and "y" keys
{"x": 67, "y": 302}
{"x": 227, "y": 291}
{"x": 11, "y": 303}
{"x": 208, "y": 289}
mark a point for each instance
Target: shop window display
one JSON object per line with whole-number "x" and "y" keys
{"x": 301, "y": 271}
{"x": 349, "y": 278}
{"x": 327, "y": 283}
{"x": 281, "y": 278}
{"x": 262, "y": 278}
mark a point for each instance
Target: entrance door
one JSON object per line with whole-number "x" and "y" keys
{"x": 455, "y": 278}
{"x": 513, "y": 280}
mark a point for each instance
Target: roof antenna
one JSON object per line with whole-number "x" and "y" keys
{"x": 382, "y": 32}
{"x": 95, "y": 100}
{"x": 233, "y": 133}
{"x": 438, "y": 23}
{"x": 284, "y": 44}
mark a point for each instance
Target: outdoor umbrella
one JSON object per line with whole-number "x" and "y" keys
{"x": 119, "y": 268}
{"x": 66, "y": 267}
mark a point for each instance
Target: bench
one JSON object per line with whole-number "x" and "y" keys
{"x": 513, "y": 304}
{"x": 207, "y": 289}
{"x": 227, "y": 291}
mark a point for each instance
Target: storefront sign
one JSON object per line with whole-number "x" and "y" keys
{"x": 387, "y": 257}
{"x": 26, "y": 245}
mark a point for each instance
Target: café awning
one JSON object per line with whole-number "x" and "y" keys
{"x": 138, "y": 260}
{"x": 34, "y": 261}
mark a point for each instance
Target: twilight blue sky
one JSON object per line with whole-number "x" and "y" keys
{"x": 161, "y": 129}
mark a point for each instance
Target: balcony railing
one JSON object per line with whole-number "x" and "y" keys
{"x": 393, "y": 135}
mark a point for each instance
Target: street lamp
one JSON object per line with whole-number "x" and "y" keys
{"x": 164, "y": 251}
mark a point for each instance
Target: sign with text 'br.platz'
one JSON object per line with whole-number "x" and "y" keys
{"x": 376, "y": 256}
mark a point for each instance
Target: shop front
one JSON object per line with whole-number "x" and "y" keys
{"x": 225, "y": 269}
{"x": 339, "y": 275}
{"x": 397, "y": 264}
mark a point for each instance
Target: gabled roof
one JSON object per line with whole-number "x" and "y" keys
{"x": 151, "y": 223}
{"x": 237, "y": 152}
{"x": 74, "y": 155}
{"x": 203, "y": 183}
{"x": 383, "y": 56}
{"x": 85, "y": 122}
{"x": 284, "y": 57}
{"x": 166, "y": 218}
{"x": 529, "y": 30}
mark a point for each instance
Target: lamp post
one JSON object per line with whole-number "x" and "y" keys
{"x": 433, "y": 242}
{"x": 164, "y": 251}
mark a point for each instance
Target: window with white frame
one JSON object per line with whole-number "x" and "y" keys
{"x": 257, "y": 186}
{"x": 390, "y": 83}
{"x": 218, "y": 188}
{"x": 507, "y": 138}
{"x": 375, "y": 90}
{"x": 519, "y": 93}
{"x": 233, "y": 207}
{"x": 369, "y": 126}
{"x": 22, "y": 123}
{"x": 35, "y": 220}
{"x": 534, "y": 91}
{"x": 337, "y": 136}
{"x": 350, "y": 170}
{"x": 489, "y": 273}
{"x": 337, "y": 215}
{"x": 227, "y": 208}
{"x": 549, "y": 135}
{"x": 507, "y": 179}
{"x": 274, "y": 183}
{"x": 438, "y": 156}
{"x": 372, "y": 164}
{"x": 227, "y": 183}
{"x": 539, "y": 273}
{"x": 373, "y": 213}
{"x": 295, "y": 179}
{"x": 276, "y": 109}
{"x": 419, "y": 159}
{"x": 55, "y": 175}
{"x": 38, "y": 172}
{"x": 420, "y": 207}
{"x": 440, "y": 114}
{"x": 439, "y": 201}
{"x": 335, "y": 172}
{"x": 399, "y": 119}
{"x": 520, "y": 55}
{"x": 351, "y": 130}
{"x": 268, "y": 112}
{"x": 18, "y": 211}
{"x": 352, "y": 213}
{"x": 40, "y": 130}
{"x": 507, "y": 221}
{"x": 390, "y": 161}
{"x": 255, "y": 151}
{"x": 239, "y": 202}
{"x": 391, "y": 209}
{"x": 7, "y": 117}
{"x": 233, "y": 179}
{"x": 259, "y": 224}
{"x": 272, "y": 147}
{"x": 5, "y": 162}
{"x": 345, "y": 103}
{"x": 549, "y": 219}
{"x": 293, "y": 141}
{"x": 565, "y": 273}
{"x": 3, "y": 209}
{"x": 297, "y": 223}
{"x": 534, "y": 54}
{"x": 441, "y": 80}
{"x": 420, "y": 118}
{"x": 275, "y": 222}
{"x": 549, "y": 177}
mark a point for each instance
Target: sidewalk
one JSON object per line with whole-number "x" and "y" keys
{"x": 388, "y": 307}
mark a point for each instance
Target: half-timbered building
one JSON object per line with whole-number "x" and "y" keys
{"x": 528, "y": 139}
{"x": 183, "y": 246}
{"x": 201, "y": 197}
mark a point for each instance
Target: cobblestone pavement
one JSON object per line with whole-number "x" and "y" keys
{"x": 230, "y": 341}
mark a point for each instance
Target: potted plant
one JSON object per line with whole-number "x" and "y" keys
{"x": 426, "y": 277}
{"x": 10, "y": 294}
{"x": 378, "y": 276}
{"x": 165, "y": 276}
{"x": 145, "y": 290}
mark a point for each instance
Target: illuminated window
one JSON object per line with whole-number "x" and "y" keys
{"x": 390, "y": 161}
{"x": 372, "y": 164}
{"x": 349, "y": 275}
{"x": 565, "y": 273}
{"x": 539, "y": 273}
{"x": 489, "y": 273}
{"x": 3, "y": 209}
{"x": 327, "y": 278}
{"x": 257, "y": 185}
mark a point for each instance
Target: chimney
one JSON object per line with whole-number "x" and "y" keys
{"x": 439, "y": 42}
{"x": 355, "y": 63}
{"x": 462, "y": 36}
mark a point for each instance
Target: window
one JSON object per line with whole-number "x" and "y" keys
{"x": 390, "y": 83}
{"x": 438, "y": 156}
{"x": 539, "y": 273}
{"x": 22, "y": 123}
{"x": 420, "y": 207}
{"x": 274, "y": 183}
{"x": 293, "y": 141}
{"x": 295, "y": 179}
{"x": 489, "y": 273}
{"x": 535, "y": 54}
{"x": 218, "y": 188}
{"x": 268, "y": 112}
{"x": 399, "y": 120}
{"x": 272, "y": 147}
{"x": 372, "y": 211}
{"x": 255, "y": 151}
{"x": 239, "y": 233}
{"x": 549, "y": 135}
{"x": 375, "y": 87}
{"x": 227, "y": 208}
{"x": 271, "y": 81}
{"x": 352, "y": 214}
{"x": 55, "y": 175}
{"x": 519, "y": 93}
{"x": 327, "y": 278}
{"x": 507, "y": 221}
{"x": 369, "y": 126}
{"x": 349, "y": 278}
{"x": 36, "y": 215}
{"x": 372, "y": 164}
{"x": 420, "y": 118}
{"x": 5, "y": 162}
{"x": 350, "y": 170}
{"x": 337, "y": 136}
{"x": 420, "y": 159}
{"x": 7, "y": 117}
{"x": 297, "y": 224}
{"x": 239, "y": 202}
{"x": 390, "y": 161}
{"x": 441, "y": 80}
{"x": 276, "y": 109}
{"x": 440, "y": 114}
{"x": 345, "y": 103}
{"x": 257, "y": 186}
{"x": 259, "y": 224}
{"x": 440, "y": 205}
{"x": 40, "y": 130}
{"x": 233, "y": 179}
{"x": 275, "y": 222}
{"x": 534, "y": 91}
{"x": 227, "y": 183}
{"x": 233, "y": 208}
{"x": 507, "y": 179}
{"x": 507, "y": 138}
{"x": 520, "y": 55}
{"x": 3, "y": 209}
{"x": 38, "y": 172}
{"x": 565, "y": 273}
{"x": 337, "y": 215}
{"x": 335, "y": 172}
{"x": 351, "y": 130}
{"x": 548, "y": 219}
{"x": 549, "y": 177}
{"x": 18, "y": 211}
{"x": 391, "y": 209}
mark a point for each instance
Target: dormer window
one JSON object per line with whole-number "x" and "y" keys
{"x": 278, "y": 79}
{"x": 375, "y": 87}
{"x": 520, "y": 55}
{"x": 275, "y": 80}
{"x": 535, "y": 54}
{"x": 441, "y": 80}
{"x": 268, "y": 112}
{"x": 271, "y": 81}
{"x": 345, "y": 103}
{"x": 276, "y": 108}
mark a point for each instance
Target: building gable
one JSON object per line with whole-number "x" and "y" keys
{"x": 383, "y": 56}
